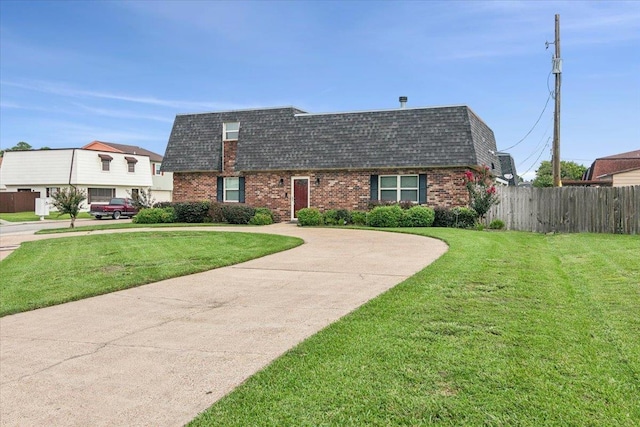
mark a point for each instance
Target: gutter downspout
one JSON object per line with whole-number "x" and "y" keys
{"x": 73, "y": 155}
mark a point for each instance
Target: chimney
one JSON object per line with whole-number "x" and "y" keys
{"x": 403, "y": 101}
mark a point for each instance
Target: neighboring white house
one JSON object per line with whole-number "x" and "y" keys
{"x": 162, "y": 186}
{"x": 102, "y": 174}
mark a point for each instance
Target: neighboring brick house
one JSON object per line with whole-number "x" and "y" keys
{"x": 617, "y": 170}
{"x": 286, "y": 159}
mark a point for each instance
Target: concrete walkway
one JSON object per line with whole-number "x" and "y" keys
{"x": 159, "y": 354}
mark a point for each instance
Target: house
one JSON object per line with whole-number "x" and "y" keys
{"x": 287, "y": 159}
{"x": 508, "y": 168}
{"x": 617, "y": 170}
{"x": 103, "y": 174}
{"x": 162, "y": 182}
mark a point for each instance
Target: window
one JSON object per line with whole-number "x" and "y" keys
{"x": 105, "y": 159}
{"x": 135, "y": 193}
{"x": 131, "y": 164}
{"x": 156, "y": 169}
{"x": 231, "y": 131}
{"x": 101, "y": 195}
{"x": 396, "y": 188}
{"x": 232, "y": 189}
{"x": 51, "y": 191}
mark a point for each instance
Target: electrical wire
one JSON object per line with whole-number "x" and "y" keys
{"x": 538, "y": 158}
{"x": 537, "y": 121}
{"x": 535, "y": 150}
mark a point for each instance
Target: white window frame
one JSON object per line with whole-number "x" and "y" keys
{"x": 225, "y": 189}
{"x": 226, "y": 132}
{"x": 101, "y": 198}
{"x": 131, "y": 167}
{"x": 398, "y": 187}
{"x": 156, "y": 169}
{"x": 52, "y": 191}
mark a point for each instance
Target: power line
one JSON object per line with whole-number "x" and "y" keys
{"x": 537, "y": 121}
{"x": 536, "y": 160}
{"x": 535, "y": 150}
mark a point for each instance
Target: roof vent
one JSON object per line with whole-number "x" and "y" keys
{"x": 403, "y": 101}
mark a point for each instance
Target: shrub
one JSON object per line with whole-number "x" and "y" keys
{"x": 155, "y": 216}
{"x": 459, "y": 217}
{"x": 215, "y": 212}
{"x": 268, "y": 212}
{"x": 237, "y": 213}
{"x": 359, "y": 218}
{"x": 309, "y": 216}
{"x": 385, "y": 216}
{"x": 464, "y": 217}
{"x": 496, "y": 224}
{"x": 420, "y": 216}
{"x": 191, "y": 212}
{"x": 261, "y": 219}
{"x": 337, "y": 217}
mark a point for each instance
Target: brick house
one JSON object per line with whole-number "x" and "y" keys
{"x": 287, "y": 159}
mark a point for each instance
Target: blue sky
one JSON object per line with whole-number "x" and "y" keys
{"x": 76, "y": 71}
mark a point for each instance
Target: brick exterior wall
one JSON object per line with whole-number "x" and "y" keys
{"x": 328, "y": 189}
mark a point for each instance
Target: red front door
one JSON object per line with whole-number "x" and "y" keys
{"x": 300, "y": 195}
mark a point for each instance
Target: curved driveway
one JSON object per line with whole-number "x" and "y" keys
{"x": 160, "y": 354}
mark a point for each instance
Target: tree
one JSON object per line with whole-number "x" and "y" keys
{"x": 20, "y": 146}
{"x": 68, "y": 201}
{"x": 142, "y": 199}
{"x": 568, "y": 170}
{"x": 482, "y": 190}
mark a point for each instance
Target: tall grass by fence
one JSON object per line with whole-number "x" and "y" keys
{"x": 569, "y": 209}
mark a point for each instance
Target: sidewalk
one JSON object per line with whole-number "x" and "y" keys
{"x": 159, "y": 354}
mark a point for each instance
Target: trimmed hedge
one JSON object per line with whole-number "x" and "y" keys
{"x": 309, "y": 216}
{"x": 237, "y": 213}
{"x": 359, "y": 217}
{"x": 385, "y": 216}
{"x": 420, "y": 216}
{"x": 155, "y": 216}
{"x": 190, "y": 212}
{"x": 261, "y": 218}
{"x": 460, "y": 217}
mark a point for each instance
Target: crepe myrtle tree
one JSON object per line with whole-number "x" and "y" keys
{"x": 482, "y": 190}
{"x": 142, "y": 199}
{"x": 68, "y": 201}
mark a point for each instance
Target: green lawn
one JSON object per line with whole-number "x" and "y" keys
{"x": 30, "y": 216}
{"x": 505, "y": 329}
{"x": 53, "y": 271}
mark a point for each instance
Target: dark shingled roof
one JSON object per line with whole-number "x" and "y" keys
{"x": 290, "y": 139}
{"x": 508, "y": 166}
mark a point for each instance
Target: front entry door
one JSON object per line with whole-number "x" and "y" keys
{"x": 300, "y": 195}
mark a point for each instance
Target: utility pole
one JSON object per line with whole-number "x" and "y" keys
{"x": 557, "y": 70}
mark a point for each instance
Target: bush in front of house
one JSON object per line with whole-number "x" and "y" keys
{"x": 496, "y": 224}
{"x": 337, "y": 217}
{"x": 261, "y": 218}
{"x": 215, "y": 212}
{"x": 155, "y": 216}
{"x": 385, "y": 216}
{"x": 274, "y": 215}
{"x": 190, "y": 212}
{"x": 237, "y": 213}
{"x": 419, "y": 216}
{"x": 359, "y": 218}
{"x": 309, "y": 216}
{"x": 460, "y": 217}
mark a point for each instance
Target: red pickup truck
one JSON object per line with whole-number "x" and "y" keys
{"x": 116, "y": 208}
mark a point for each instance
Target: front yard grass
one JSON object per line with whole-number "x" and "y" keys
{"x": 505, "y": 329}
{"x": 53, "y": 271}
{"x": 30, "y": 216}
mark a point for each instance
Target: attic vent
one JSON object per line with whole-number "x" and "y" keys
{"x": 403, "y": 101}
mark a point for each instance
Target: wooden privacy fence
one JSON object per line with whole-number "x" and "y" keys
{"x": 22, "y": 201}
{"x": 569, "y": 209}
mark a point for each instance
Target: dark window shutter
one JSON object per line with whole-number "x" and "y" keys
{"x": 241, "y": 188}
{"x": 220, "y": 189}
{"x": 374, "y": 187}
{"x": 422, "y": 188}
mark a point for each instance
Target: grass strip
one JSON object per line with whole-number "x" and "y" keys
{"x": 31, "y": 216}
{"x": 54, "y": 271}
{"x": 121, "y": 225}
{"x": 505, "y": 329}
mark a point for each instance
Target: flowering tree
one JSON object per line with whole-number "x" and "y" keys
{"x": 68, "y": 201}
{"x": 482, "y": 190}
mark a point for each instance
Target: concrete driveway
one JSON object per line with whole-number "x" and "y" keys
{"x": 159, "y": 354}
